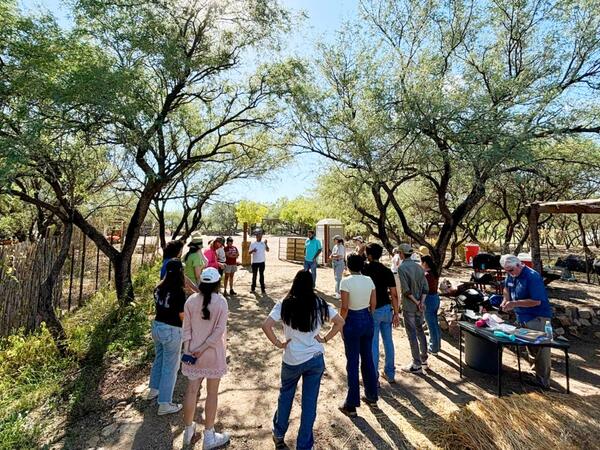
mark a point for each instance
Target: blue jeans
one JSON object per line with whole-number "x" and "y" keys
{"x": 358, "y": 345}
{"x": 167, "y": 344}
{"x": 382, "y": 323}
{"x": 338, "y": 272}
{"x": 432, "y": 304}
{"x": 311, "y": 372}
{"x": 312, "y": 266}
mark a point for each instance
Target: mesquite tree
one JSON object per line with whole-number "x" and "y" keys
{"x": 449, "y": 95}
{"x": 153, "y": 86}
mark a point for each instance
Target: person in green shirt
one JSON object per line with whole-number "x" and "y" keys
{"x": 194, "y": 260}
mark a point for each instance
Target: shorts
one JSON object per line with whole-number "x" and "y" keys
{"x": 230, "y": 268}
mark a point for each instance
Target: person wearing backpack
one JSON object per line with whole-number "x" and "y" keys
{"x": 302, "y": 313}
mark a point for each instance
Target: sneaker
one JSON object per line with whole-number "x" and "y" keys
{"x": 150, "y": 394}
{"x": 389, "y": 380}
{"x": 279, "y": 443}
{"x": 263, "y": 291}
{"x": 412, "y": 369}
{"x": 169, "y": 408}
{"x": 349, "y": 411}
{"x": 252, "y": 291}
{"x": 424, "y": 363}
{"x": 372, "y": 403}
{"x": 189, "y": 433}
{"x": 232, "y": 292}
{"x": 212, "y": 439}
{"x": 433, "y": 353}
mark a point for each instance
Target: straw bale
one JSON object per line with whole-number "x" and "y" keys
{"x": 528, "y": 421}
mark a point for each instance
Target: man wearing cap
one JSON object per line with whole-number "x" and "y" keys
{"x": 360, "y": 246}
{"x": 312, "y": 250}
{"x": 524, "y": 291}
{"x": 258, "y": 251}
{"x": 414, "y": 287}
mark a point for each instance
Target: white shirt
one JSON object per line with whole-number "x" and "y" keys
{"x": 303, "y": 346}
{"x": 260, "y": 255}
{"x": 339, "y": 250}
{"x": 395, "y": 263}
{"x": 221, "y": 255}
{"x": 359, "y": 289}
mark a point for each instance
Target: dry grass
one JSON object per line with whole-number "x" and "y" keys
{"x": 531, "y": 421}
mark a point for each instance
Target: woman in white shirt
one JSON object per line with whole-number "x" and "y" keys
{"x": 338, "y": 258}
{"x": 302, "y": 313}
{"x": 358, "y": 300}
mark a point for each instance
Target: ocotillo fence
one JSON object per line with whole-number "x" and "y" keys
{"x": 24, "y": 266}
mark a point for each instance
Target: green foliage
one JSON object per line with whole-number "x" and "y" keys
{"x": 250, "y": 212}
{"x": 221, "y": 216}
{"x": 33, "y": 373}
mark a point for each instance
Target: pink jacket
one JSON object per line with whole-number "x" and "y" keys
{"x": 211, "y": 258}
{"x": 212, "y": 363}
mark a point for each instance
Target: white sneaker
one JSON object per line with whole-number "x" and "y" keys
{"x": 169, "y": 408}
{"x": 214, "y": 440}
{"x": 150, "y": 394}
{"x": 412, "y": 369}
{"x": 188, "y": 433}
{"x": 424, "y": 363}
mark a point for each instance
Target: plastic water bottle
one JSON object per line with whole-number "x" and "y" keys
{"x": 548, "y": 329}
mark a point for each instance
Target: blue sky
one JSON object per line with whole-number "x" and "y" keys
{"x": 324, "y": 18}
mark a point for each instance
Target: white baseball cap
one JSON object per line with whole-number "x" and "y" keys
{"x": 210, "y": 275}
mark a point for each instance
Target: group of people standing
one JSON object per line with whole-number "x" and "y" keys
{"x": 370, "y": 306}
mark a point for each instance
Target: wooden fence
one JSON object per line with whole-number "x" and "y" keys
{"x": 24, "y": 266}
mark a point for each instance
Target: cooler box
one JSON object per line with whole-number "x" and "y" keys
{"x": 471, "y": 250}
{"x": 526, "y": 259}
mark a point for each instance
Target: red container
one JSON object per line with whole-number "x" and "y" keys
{"x": 471, "y": 250}
{"x": 526, "y": 259}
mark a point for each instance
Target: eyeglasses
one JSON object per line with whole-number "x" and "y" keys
{"x": 511, "y": 270}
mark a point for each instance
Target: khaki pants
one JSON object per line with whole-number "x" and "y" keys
{"x": 540, "y": 355}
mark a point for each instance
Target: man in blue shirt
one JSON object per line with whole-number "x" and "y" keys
{"x": 524, "y": 291}
{"x": 312, "y": 250}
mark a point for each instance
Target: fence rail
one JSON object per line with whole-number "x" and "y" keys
{"x": 24, "y": 266}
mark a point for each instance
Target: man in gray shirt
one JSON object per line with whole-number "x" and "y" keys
{"x": 413, "y": 285}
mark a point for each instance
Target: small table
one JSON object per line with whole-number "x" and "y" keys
{"x": 489, "y": 339}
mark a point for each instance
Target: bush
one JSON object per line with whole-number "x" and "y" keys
{"x": 32, "y": 371}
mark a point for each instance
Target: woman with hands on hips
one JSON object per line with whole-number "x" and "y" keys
{"x": 204, "y": 348}
{"x": 302, "y": 313}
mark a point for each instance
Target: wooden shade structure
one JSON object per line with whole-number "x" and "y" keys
{"x": 590, "y": 206}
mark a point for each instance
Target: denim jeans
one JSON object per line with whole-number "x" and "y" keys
{"x": 312, "y": 266}
{"x": 358, "y": 345}
{"x": 167, "y": 345}
{"x": 258, "y": 268}
{"x": 311, "y": 372}
{"x": 382, "y": 323}
{"x": 338, "y": 272}
{"x": 413, "y": 322}
{"x": 432, "y": 304}
{"x": 540, "y": 356}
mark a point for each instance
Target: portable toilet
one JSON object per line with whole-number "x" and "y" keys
{"x": 326, "y": 230}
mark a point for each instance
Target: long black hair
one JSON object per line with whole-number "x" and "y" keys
{"x": 192, "y": 248}
{"x": 302, "y": 309}
{"x": 207, "y": 289}
{"x": 431, "y": 264}
{"x": 172, "y": 249}
{"x": 174, "y": 279}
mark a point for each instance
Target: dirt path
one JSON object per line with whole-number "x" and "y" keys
{"x": 249, "y": 392}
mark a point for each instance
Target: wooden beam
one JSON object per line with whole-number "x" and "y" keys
{"x": 590, "y": 206}
{"x": 534, "y": 237}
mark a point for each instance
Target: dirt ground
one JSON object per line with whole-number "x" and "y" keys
{"x": 406, "y": 413}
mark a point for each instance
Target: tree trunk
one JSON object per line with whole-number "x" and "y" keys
{"x": 45, "y": 303}
{"x": 522, "y": 241}
{"x": 162, "y": 231}
{"x": 123, "y": 280}
{"x": 508, "y": 235}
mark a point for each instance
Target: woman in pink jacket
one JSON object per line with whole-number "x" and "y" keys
{"x": 211, "y": 255}
{"x": 204, "y": 348}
